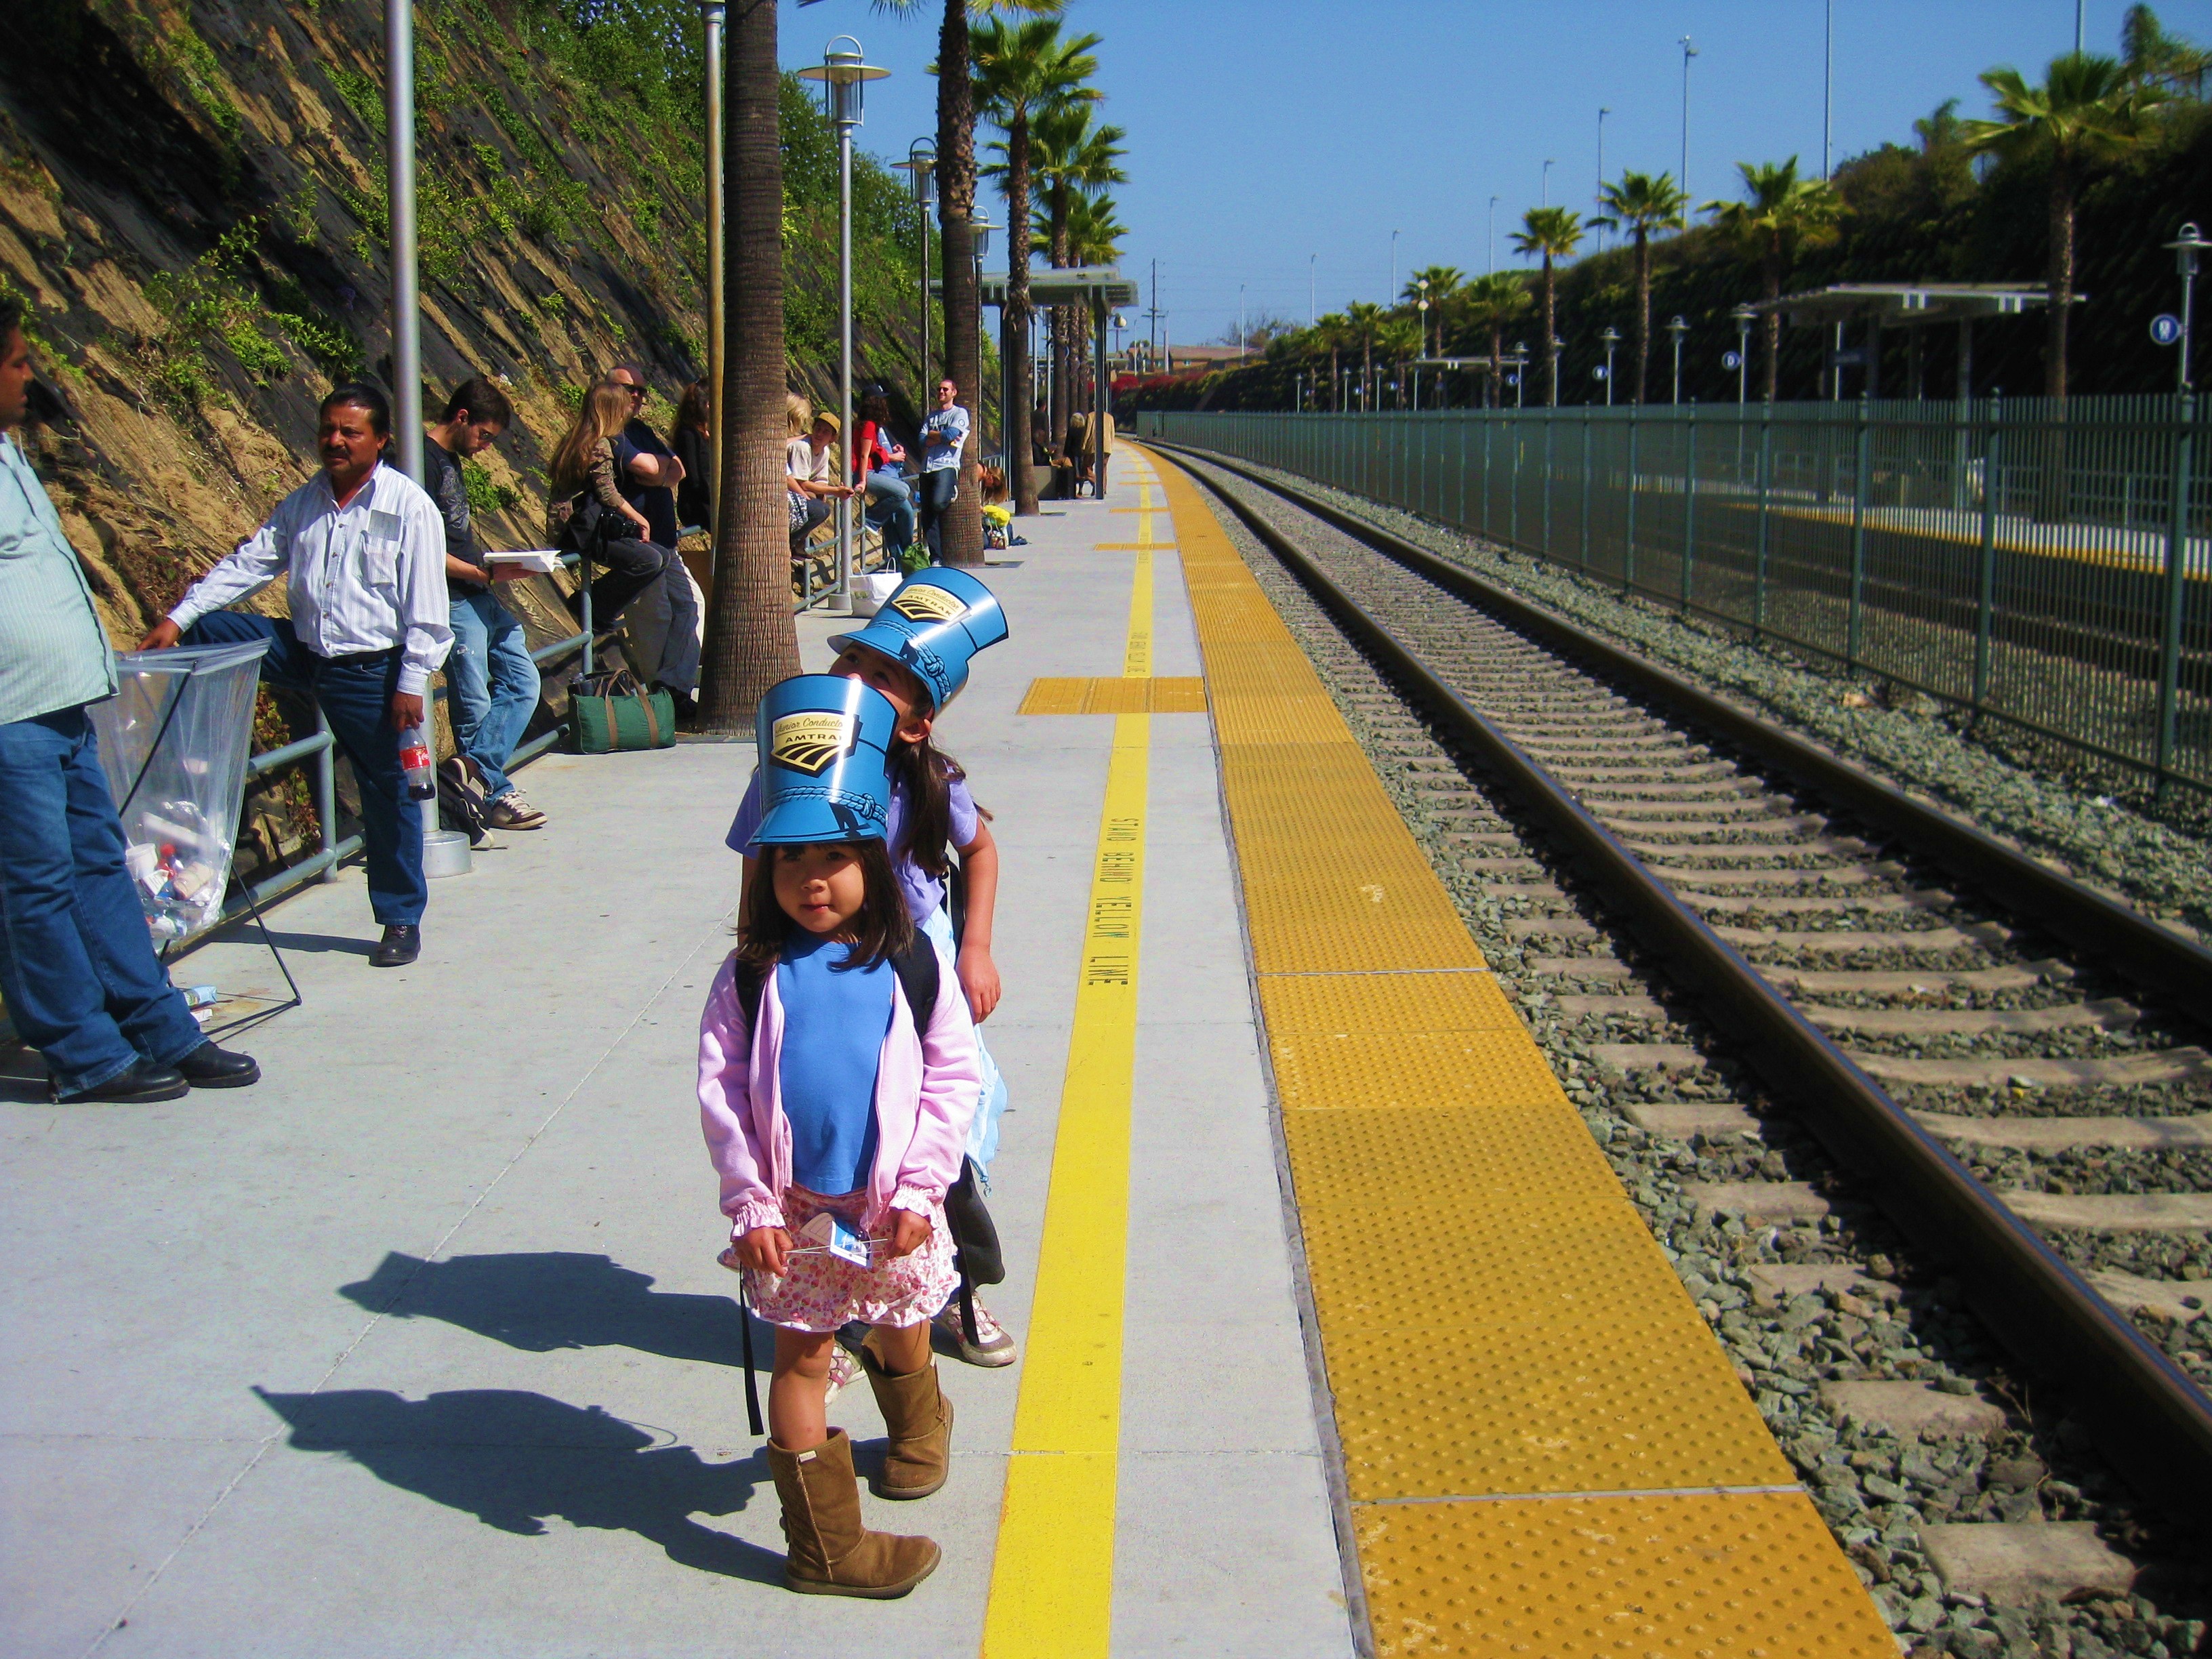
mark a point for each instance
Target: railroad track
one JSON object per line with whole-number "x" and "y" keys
{"x": 2004, "y": 1056}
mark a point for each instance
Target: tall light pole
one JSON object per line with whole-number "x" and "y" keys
{"x": 1493, "y": 235}
{"x": 1241, "y": 335}
{"x": 1422, "y": 284}
{"x": 406, "y": 298}
{"x": 1391, "y": 298}
{"x": 981, "y": 224}
{"x": 2186, "y": 248}
{"x": 2077, "y": 26}
{"x": 922, "y": 162}
{"x": 1603, "y": 111}
{"x": 1612, "y": 338}
{"x": 1313, "y": 279}
{"x": 843, "y": 74}
{"x": 1688, "y": 52}
{"x": 711, "y": 13}
{"x": 1678, "y": 328}
{"x": 1744, "y": 315}
{"x": 1828, "y": 89}
{"x": 1545, "y": 194}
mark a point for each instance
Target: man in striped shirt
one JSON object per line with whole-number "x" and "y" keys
{"x": 78, "y": 966}
{"x": 363, "y": 552}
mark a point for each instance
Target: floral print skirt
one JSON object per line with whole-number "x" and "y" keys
{"x": 824, "y": 1293}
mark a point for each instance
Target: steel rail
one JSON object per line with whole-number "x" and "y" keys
{"x": 2153, "y": 1421}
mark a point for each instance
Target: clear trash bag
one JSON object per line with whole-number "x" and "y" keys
{"x": 174, "y": 740}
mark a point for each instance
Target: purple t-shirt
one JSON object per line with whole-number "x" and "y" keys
{"x": 924, "y": 892}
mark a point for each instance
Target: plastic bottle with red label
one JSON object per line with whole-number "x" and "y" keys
{"x": 415, "y": 762}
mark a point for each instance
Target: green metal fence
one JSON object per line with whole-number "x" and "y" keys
{"x": 2046, "y": 565}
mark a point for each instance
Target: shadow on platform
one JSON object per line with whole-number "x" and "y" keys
{"x": 542, "y": 1301}
{"x": 515, "y": 1460}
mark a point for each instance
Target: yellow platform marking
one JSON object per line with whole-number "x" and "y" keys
{"x": 1052, "y": 1583}
{"x": 1168, "y": 694}
{"x": 1130, "y": 547}
{"x": 1521, "y": 1389}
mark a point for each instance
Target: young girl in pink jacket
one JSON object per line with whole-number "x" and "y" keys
{"x": 837, "y": 1075}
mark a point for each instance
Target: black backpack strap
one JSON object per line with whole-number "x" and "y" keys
{"x": 750, "y": 976}
{"x": 919, "y": 977}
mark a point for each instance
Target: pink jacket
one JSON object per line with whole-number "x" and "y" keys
{"x": 926, "y": 1085}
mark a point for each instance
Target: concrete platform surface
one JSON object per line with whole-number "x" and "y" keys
{"x": 419, "y": 1347}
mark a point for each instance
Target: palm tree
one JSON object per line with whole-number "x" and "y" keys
{"x": 1400, "y": 339}
{"x": 1094, "y": 238}
{"x": 2088, "y": 110}
{"x": 2165, "y": 60}
{"x": 1021, "y": 70}
{"x": 956, "y": 208}
{"x": 1491, "y": 303}
{"x": 1641, "y": 203}
{"x": 750, "y": 641}
{"x": 1780, "y": 213}
{"x": 1070, "y": 158}
{"x": 1435, "y": 284}
{"x": 1555, "y": 233}
{"x": 1366, "y": 318}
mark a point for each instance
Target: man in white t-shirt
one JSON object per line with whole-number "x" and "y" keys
{"x": 944, "y": 435}
{"x": 811, "y": 474}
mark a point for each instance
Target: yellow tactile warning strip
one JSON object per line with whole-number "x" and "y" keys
{"x": 1545, "y": 1450}
{"x": 1173, "y": 694}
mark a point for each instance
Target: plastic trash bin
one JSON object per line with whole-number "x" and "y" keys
{"x": 175, "y": 740}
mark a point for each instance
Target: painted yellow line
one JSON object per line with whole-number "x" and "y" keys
{"x": 1052, "y": 1583}
{"x": 1144, "y": 513}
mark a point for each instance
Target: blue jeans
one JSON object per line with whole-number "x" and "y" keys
{"x": 355, "y": 695}
{"x": 77, "y": 963}
{"x": 938, "y": 489}
{"x": 891, "y": 509}
{"x": 491, "y": 686}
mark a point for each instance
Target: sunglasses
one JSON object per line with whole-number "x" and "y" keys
{"x": 634, "y": 390}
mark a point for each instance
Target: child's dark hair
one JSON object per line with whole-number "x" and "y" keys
{"x": 927, "y": 774}
{"x": 881, "y": 931}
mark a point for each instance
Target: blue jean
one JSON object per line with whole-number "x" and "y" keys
{"x": 938, "y": 489}
{"x": 355, "y": 695}
{"x": 77, "y": 963}
{"x": 891, "y": 509}
{"x": 491, "y": 686}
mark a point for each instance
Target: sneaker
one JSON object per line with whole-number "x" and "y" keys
{"x": 994, "y": 1343}
{"x": 844, "y": 1371}
{"x": 512, "y": 812}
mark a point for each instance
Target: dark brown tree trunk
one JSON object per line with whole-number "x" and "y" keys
{"x": 1771, "y": 274}
{"x": 961, "y": 531}
{"x": 1021, "y": 470}
{"x": 750, "y": 642}
{"x": 1643, "y": 310}
{"x": 1062, "y": 405}
{"x": 1551, "y": 333}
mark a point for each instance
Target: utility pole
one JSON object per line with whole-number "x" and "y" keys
{"x": 1828, "y": 89}
{"x": 1688, "y": 52}
{"x": 1153, "y": 315}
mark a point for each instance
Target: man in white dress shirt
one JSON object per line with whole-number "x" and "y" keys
{"x": 363, "y": 551}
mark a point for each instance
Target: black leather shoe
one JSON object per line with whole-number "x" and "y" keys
{"x": 399, "y": 947}
{"x": 209, "y": 1067}
{"x": 137, "y": 1082}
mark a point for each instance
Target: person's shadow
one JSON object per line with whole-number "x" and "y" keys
{"x": 514, "y": 1460}
{"x": 544, "y": 1300}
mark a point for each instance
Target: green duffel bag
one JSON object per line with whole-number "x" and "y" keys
{"x": 611, "y": 712}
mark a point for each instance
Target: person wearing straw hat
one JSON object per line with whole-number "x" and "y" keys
{"x": 836, "y": 1080}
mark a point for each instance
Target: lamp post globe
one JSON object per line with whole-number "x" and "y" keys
{"x": 2187, "y": 247}
{"x": 1744, "y": 316}
{"x": 1678, "y": 328}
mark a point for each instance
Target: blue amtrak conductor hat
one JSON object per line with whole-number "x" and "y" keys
{"x": 823, "y": 767}
{"x": 933, "y": 625}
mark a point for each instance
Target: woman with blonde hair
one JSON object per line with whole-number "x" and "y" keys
{"x": 586, "y": 512}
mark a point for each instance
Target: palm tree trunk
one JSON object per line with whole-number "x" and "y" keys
{"x": 961, "y": 531}
{"x": 2061, "y": 277}
{"x": 1771, "y": 272}
{"x": 750, "y": 642}
{"x": 1643, "y": 310}
{"x": 1056, "y": 423}
{"x": 1497, "y": 398}
{"x": 1551, "y": 333}
{"x": 1021, "y": 472}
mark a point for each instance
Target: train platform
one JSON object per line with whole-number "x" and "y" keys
{"x": 1338, "y": 1334}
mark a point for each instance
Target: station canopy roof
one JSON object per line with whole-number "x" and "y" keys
{"x": 1908, "y": 305}
{"x": 1072, "y": 285}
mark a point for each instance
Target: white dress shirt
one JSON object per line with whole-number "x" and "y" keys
{"x": 366, "y": 576}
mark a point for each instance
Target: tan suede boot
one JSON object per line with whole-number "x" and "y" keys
{"x": 831, "y": 1553}
{"x": 918, "y": 1419}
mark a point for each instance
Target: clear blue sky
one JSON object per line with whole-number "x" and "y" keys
{"x": 1261, "y": 134}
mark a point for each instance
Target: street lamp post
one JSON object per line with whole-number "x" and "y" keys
{"x": 1603, "y": 111}
{"x": 1519, "y": 360}
{"x": 981, "y": 226}
{"x": 1545, "y": 194}
{"x": 711, "y": 13}
{"x": 843, "y": 74}
{"x": 1422, "y": 305}
{"x": 406, "y": 298}
{"x": 2186, "y": 248}
{"x": 1391, "y": 298}
{"x": 1744, "y": 315}
{"x": 1678, "y": 328}
{"x": 922, "y": 162}
{"x": 1313, "y": 279}
{"x": 1612, "y": 338}
{"x": 1493, "y": 234}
